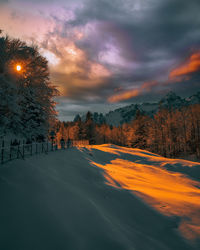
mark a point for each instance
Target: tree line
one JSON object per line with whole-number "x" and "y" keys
{"x": 170, "y": 133}
{"x": 27, "y": 106}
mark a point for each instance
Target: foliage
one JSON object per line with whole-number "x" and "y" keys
{"x": 26, "y": 104}
{"x": 169, "y": 133}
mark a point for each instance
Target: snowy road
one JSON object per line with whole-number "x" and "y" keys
{"x": 96, "y": 199}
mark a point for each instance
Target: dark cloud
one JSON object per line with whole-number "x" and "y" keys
{"x": 4, "y": 1}
{"x": 69, "y": 108}
{"x": 170, "y": 26}
{"x": 124, "y": 43}
{"x": 156, "y": 35}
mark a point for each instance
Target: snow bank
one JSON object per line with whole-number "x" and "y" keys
{"x": 161, "y": 182}
{"x": 63, "y": 201}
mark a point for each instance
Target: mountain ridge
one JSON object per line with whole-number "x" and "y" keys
{"x": 126, "y": 114}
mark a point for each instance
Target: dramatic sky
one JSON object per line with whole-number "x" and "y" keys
{"x": 105, "y": 54}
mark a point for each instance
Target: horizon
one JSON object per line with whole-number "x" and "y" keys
{"x": 123, "y": 105}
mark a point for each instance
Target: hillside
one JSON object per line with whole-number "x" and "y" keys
{"x": 99, "y": 197}
{"x": 170, "y": 101}
{"x": 127, "y": 114}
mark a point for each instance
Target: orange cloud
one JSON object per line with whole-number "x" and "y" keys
{"x": 98, "y": 71}
{"x": 190, "y": 66}
{"x": 147, "y": 86}
{"x": 71, "y": 67}
{"x": 124, "y": 96}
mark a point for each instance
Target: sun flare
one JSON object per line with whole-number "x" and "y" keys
{"x": 18, "y": 67}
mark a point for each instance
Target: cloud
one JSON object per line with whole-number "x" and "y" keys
{"x": 141, "y": 43}
{"x": 192, "y": 65}
{"x": 74, "y": 69}
{"x": 96, "y": 46}
{"x": 4, "y": 1}
{"x": 125, "y": 95}
{"x": 69, "y": 108}
{"x": 183, "y": 75}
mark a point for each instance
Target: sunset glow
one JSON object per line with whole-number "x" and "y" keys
{"x": 171, "y": 193}
{"x": 18, "y": 67}
{"x": 115, "y": 49}
{"x": 128, "y": 94}
{"x": 51, "y": 57}
{"x": 192, "y": 65}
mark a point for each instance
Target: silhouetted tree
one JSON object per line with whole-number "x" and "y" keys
{"x": 29, "y": 102}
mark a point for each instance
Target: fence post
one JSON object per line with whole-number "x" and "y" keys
{"x": 36, "y": 148}
{"x": 42, "y": 147}
{"x": 10, "y": 149}
{"x": 2, "y": 152}
{"x": 31, "y": 148}
{"x": 52, "y": 145}
{"x": 18, "y": 150}
{"x": 23, "y": 149}
{"x": 47, "y": 146}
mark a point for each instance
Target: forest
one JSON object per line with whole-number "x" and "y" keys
{"x": 170, "y": 133}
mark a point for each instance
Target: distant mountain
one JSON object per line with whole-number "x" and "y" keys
{"x": 98, "y": 118}
{"x": 194, "y": 99}
{"x": 127, "y": 113}
{"x": 171, "y": 100}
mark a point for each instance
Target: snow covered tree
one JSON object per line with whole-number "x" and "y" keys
{"x": 77, "y": 118}
{"x": 9, "y": 109}
{"x": 32, "y": 102}
{"x": 89, "y": 128}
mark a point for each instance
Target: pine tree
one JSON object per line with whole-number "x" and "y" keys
{"x": 77, "y": 118}
{"x": 9, "y": 109}
{"x": 30, "y": 107}
{"x": 140, "y": 131}
{"x": 90, "y": 128}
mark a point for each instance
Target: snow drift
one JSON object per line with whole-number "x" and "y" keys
{"x": 98, "y": 198}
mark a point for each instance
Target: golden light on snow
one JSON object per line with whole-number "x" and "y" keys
{"x": 18, "y": 67}
{"x": 146, "y": 175}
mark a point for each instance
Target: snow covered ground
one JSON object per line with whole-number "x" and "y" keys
{"x": 98, "y": 198}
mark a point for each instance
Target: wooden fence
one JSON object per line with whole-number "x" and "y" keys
{"x": 21, "y": 151}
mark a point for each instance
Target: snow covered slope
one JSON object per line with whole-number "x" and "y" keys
{"x": 99, "y": 198}
{"x": 127, "y": 114}
{"x": 170, "y": 101}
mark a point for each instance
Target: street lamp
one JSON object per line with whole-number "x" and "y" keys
{"x": 18, "y": 67}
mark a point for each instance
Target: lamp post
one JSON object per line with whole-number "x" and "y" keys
{"x": 21, "y": 72}
{"x": 18, "y": 68}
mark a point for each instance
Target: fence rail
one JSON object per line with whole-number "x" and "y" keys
{"x": 21, "y": 151}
